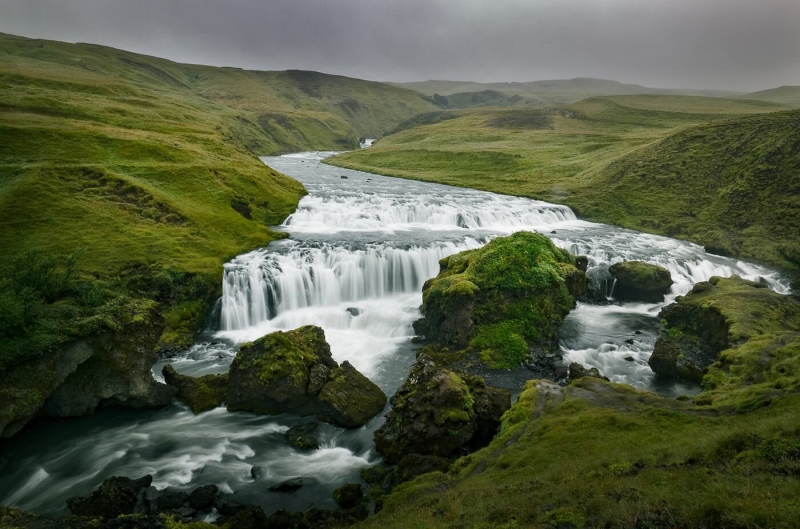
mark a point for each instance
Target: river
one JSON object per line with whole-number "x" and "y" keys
{"x": 360, "y": 248}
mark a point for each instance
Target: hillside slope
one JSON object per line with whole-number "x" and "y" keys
{"x": 552, "y": 91}
{"x": 725, "y": 175}
{"x": 784, "y": 95}
{"x": 149, "y": 167}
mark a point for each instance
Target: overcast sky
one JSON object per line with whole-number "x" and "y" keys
{"x": 724, "y": 44}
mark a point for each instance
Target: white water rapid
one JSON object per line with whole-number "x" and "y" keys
{"x": 360, "y": 248}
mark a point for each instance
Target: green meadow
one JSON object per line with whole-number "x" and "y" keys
{"x": 721, "y": 172}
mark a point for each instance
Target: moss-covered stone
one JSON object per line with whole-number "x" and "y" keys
{"x": 349, "y": 399}
{"x": 200, "y": 393}
{"x": 109, "y": 366}
{"x": 741, "y": 339}
{"x": 294, "y": 372}
{"x": 638, "y": 281}
{"x": 436, "y": 412}
{"x": 348, "y": 495}
{"x": 501, "y": 300}
{"x": 271, "y": 375}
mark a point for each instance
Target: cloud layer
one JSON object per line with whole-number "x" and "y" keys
{"x": 723, "y": 44}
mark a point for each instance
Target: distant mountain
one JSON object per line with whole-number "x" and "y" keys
{"x": 784, "y": 95}
{"x": 553, "y": 91}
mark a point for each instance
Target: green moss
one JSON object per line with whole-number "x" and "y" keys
{"x": 290, "y": 354}
{"x": 514, "y": 287}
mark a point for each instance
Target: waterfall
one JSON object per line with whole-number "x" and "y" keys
{"x": 262, "y": 285}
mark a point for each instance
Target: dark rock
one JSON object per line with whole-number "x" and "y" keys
{"x": 160, "y": 501}
{"x": 242, "y": 207}
{"x": 228, "y": 506}
{"x": 115, "y": 497}
{"x": 283, "y": 519}
{"x": 349, "y": 399}
{"x": 271, "y": 375}
{"x": 344, "y": 177}
{"x": 348, "y": 496}
{"x": 436, "y": 412}
{"x": 629, "y": 359}
{"x": 414, "y": 465}
{"x": 77, "y": 377}
{"x": 373, "y": 475}
{"x": 638, "y": 281}
{"x": 302, "y": 436}
{"x": 682, "y": 356}
{"x": 200, "y": 393}
{"x": 291, "y": 485}
{"x": 203, "y": 498}
{"x": 560, "y": 371}
{"x": 187, "y": 512}
{"x": 354, "y": 311}
{"x": 294, "y": 372}
{"x": 249, "y": 518}
{"x": 629, "y": 341}
{"x": 256, "y": 472}
{"x": 577, "y": 371}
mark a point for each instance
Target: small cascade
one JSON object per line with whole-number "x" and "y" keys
{"x": 359, "y": 211}
{"x": 261, "y": 285}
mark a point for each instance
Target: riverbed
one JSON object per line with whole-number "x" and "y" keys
{"x": 359, "y": 250}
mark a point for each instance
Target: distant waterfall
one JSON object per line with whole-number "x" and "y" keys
{"x": 261, "y": 285}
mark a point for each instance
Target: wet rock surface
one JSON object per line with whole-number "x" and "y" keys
{"x": 638, "y": 281}
{"x": 294, "y": 372}
{"x": 437, "y": 412}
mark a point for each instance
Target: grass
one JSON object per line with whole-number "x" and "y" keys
{"x": 150, "y": 166}
{"x": 720, "y": 172}
{"x": 603, "y": 455}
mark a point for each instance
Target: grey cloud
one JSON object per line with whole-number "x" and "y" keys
{"x": 724, "y": 44}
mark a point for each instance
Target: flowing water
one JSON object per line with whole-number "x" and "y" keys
{"x": 361, "y": 247}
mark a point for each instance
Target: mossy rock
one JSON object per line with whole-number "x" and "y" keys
{"x": 294, "y": 372}
{"x": 638, "y": 281}
{"x": 349, "y": 399}
{"x": 271, "y": 375}
{"x": 303, "y": 436}
{"x": 200, "y": 393}
{"x": 502, "y": 300}
{"x": 436, "y": 412}
{"x": 348, "y": 495}
{"x": 737, "y": 337}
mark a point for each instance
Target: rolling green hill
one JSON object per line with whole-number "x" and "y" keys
{"x": 149, "y": 166}
{"x": 783, "y": 95}
{"x": 717, "y": 171}
{"x": 558, "y": 91}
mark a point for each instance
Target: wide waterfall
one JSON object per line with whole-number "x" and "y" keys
{"x": 360, "y": 250}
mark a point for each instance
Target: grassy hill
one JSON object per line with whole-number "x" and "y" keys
{"x": 721, "y": 172}
{"x": 558, "y": 91}
{"x": 149, "y": 167}
{"x": 783, "y": 95}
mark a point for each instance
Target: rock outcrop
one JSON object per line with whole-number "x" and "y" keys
{"x": 638, "y": 281}
{"x": 294, "y": 372}
{"x": 502, "y": 301}
{"x": 200, "y": 393}
{"x": 733, "y": 327}
{"x": 436, "y": 412}
{"x": 108, "y": 368}
{"x": 577, "y": 371}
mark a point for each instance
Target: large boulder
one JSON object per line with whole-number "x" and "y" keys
{"x": 105, "y": 368}
{"x": 436, "y": 412}
{"x": 200, "y": 393}
{"x": 294, "y": 372}
{"x": 726, "y": 333}
{"x": 502, "y": 301}
{"x": 115, "y": 497}
{"x": 638, "y": 281}
{"x": 349, "y": 399}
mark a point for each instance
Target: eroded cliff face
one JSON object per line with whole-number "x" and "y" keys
{"x": 107, "y": 368}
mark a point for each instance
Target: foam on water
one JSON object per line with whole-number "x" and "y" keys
{"x": 361, "y": 248}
